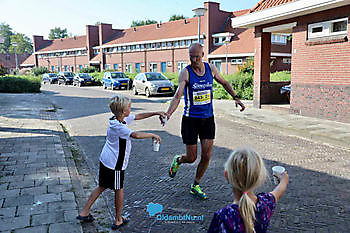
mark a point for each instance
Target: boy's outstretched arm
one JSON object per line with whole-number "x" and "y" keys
{"x": 141, "y": 135}
{"x": 144, "y": 115}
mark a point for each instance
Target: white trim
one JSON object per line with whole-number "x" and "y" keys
{"x": 286, "y": 11}
{"x": 232, "y": 55}
{"x": 151, "y": 41}
{"x": 326, "y": 28}
{"x": 223, "y": 34}
{"x": 26, "y": 64}
{"x": 248, "y": 55}
{"x": 62, "y": 50}
{"x": 94, "y": 62}
{"x": 281, "y": 27}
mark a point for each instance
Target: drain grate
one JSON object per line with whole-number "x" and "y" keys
{"x": 48, "y": 115}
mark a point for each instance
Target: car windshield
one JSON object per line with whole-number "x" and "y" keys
{"x": 52, "y": 75}
{"x": 84, "y": 75}
{"x": 155, "y": 77}
{"x": 68, "y": 74}
{"x": 118, "y": 75}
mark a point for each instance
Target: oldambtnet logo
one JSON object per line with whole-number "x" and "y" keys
{"x": 155, "y": 209}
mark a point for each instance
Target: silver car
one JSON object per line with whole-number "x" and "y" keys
{"x": 152, "y": 83}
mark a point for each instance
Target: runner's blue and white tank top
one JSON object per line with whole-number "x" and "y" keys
{"x": 199, "y": 94}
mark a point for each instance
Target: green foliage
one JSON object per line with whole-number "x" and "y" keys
{"x": 39, "y": 70}
{"x": 3, "y": 70}
{"x": 97, "y": 77}
{"x": 242, "y": 83}
{"x": 20, "y": 84}
{"x": 24, "y": 44}
{"x": 247, "y": 67}
{"x": 131, "y": 75}
{"x": 57, "y": 33}
{"x": 136, "y": 23}
{"x": 89, "y": 69}
{"x": 280, "y": 76}
{"x": 6, "y": 33}
{"x": 176, "y": 17}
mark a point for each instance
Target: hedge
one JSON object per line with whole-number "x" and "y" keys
{"x": 20, "y": 84}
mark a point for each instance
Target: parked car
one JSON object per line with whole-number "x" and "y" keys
{"x": 50, "y": 78}
{"x": 65, "y": 77}
{"x": 115, "y": 80}
{"x": 83, "y": 79}
{"x": 152, "y": 83}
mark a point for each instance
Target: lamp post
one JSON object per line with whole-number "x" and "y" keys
{"x": 14, "y": 44}
{"x": 199, "y": 12}
{"x": 226, "y": 42}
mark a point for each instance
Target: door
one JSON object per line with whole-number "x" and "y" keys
{"x": 217, "y": 64}
{"x": 137, "y": 67}
{"x": 163, "y": 67}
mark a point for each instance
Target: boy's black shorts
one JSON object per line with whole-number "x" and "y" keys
{"x": 112, "y": 179}
{"x": 192, "y": 127}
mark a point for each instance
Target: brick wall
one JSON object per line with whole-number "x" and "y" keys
{"x": 321, "y": 72}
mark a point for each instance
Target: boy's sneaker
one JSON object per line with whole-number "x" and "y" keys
{"x": 196, "y": 190}
{"x": 174, "y": 166}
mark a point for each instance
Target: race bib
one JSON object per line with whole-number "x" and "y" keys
{"x": 201, "y": 97}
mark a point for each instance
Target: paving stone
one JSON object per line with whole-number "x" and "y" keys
{"x": 21, "y": 184}
{"x": 12, "y": 178}
{"x": 18, "y": 201}
{"x": 48, "y": 218}
{"x": 68, "y": 196}
{"x": 4, "y": 186}
{"x": 36, "y": 208}
{"x": 62, "y": 205}
{"x": 70, "y": 215}
{"x": 9, "y": 193}
{"x": 47, "y": 181}
{"x": 59, "y": 188}
{"x": 34, "y": 190}
{"x": 7, "y": 212}
{"x": 37, "y": 229}
{"x": 14, "y": 223}
{"x": 51, "y": 197}
{"x": 35, "y": 176}
{"x": 66, "y": 227}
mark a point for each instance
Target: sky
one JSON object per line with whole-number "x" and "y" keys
{"x": 37, "y": 17}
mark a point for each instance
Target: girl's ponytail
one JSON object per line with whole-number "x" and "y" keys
{"x": 247, "y": 211}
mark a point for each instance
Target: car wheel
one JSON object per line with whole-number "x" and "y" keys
{"x": 147, "y": 92}
{"x": 134, "y": 90}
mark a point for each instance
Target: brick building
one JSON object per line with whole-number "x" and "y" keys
{"x": 9, "y": 60}
{"x": 161, "y": 47}
{"x": 320, "y": 80}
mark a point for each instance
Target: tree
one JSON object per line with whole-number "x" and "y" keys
{"x": 176, "y": 17}
{"x": 136, "y": 23}
{"x": 24, "y": 44}
{"x": 6, "y": 33}
{"x": 58, "y": 33}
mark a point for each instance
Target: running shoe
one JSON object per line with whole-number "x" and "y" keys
{"x": 196, "y": 190}
{"x": 174, "y": 166}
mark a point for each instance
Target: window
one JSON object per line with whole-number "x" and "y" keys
{"x": 236, "y": 61}
{"x": 137, "y": 47}
{"x": 124, "y": 48}
{"x": 219, "y": 40}
{"x": 142, "y": 47}
{"x": 137, "y": 67}
{"x": 80, "y": 67}
{"x": 119, "y": 48}
{"x": 287, "y": 60}
{"x": 107, "y": 66}
{"x": 128, "y": 48}
{"x": 188, "y": 42}
{"x": 328, "y": 28}
{"x": 128, "y": 68}
{"x": 181, "y": 65}
{"x": 217, "y": 64}
{"x": 115, "y": 66}
{"x": 158, "y": 45}
{"x": 96, "y": 51}
{"x": 170, "y": 44}
{"x": 278, "y": 39}
{"x": 57, "y": 69}
{"x": 182, "y": 43}
{"x": 153, "y": 67}
{"x": 132, "y": 47}
{"x": 115, "y": 49}
{"x": 163, "y": 44}
{"x": 53, "y": 68}
{"x": 65, "y": 68}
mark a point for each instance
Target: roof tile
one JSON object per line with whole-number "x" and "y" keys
{"x": 264, "y": 4}
{"x": 65, "y": 43}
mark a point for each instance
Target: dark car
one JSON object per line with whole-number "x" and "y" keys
{"x": 152, "y": 83}
{"x": 116, "y": 80}
{"x": 50, "y": 78}
{"x": 65, "y": 78}
{"x": 83, "y": 79}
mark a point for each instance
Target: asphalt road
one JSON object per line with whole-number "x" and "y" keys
{"x": 317, "y": 198}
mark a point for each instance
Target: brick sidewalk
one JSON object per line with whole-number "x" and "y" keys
{"x": 36, "y": 191}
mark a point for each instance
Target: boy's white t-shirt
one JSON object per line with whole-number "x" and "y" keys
{"x": 110, "y": 152}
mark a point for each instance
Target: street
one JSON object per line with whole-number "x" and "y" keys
{"x": 317, "y": 198}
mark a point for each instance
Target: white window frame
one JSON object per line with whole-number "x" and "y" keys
{"x": 236, "y": 61}
{"x": 278, "y": 39}
{"x": 215, "y": 62}
{"x": 287, "y": 60}
{"x": 326, "y": 28}
{"x": 128, "y": 68}
{"x": 181, "y": 65}
{"x": 153, "y": 67}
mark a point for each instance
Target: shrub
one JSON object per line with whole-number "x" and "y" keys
{"x": 39, "y": 70}
{"x": 280, "y": 76}
{"x": 3, "y": 70}
{"x": 97, "y": 76}
{"x": 89, "y": 69}
{"x": 20, "y": 84}
{"x": 242, "y": 83}
{"x": 247, "y": 67}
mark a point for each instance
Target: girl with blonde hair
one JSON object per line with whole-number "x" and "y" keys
{"x": 245, "y": 171}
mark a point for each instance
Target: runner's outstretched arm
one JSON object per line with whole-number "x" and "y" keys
{"x": 183, "y": 78}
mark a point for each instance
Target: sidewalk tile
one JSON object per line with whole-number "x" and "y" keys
{"x": 70, "y": 215}
{"x": 9, "y": 193}
{"x": 51, "y": 197}
{"x": 59, "y": 188}
{"x": 18, "y": 201}
{"x": 68, "y": 196}
{"x": 7, "y": 212}
{"x": 14, "y": 223}
{"x": 48, "y": 218}
{"x": 21, "y": 184}
{"x": 38, "y": 229}
{"x": 37, "y": 190}
{"x": 66, "y": 227}
{"x": 62, "y": 205}
{"x": 36, "y": 208}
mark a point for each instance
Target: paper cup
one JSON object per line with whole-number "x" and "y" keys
{"x": 156, "y": 146}
{"x": 277, "y": 172}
